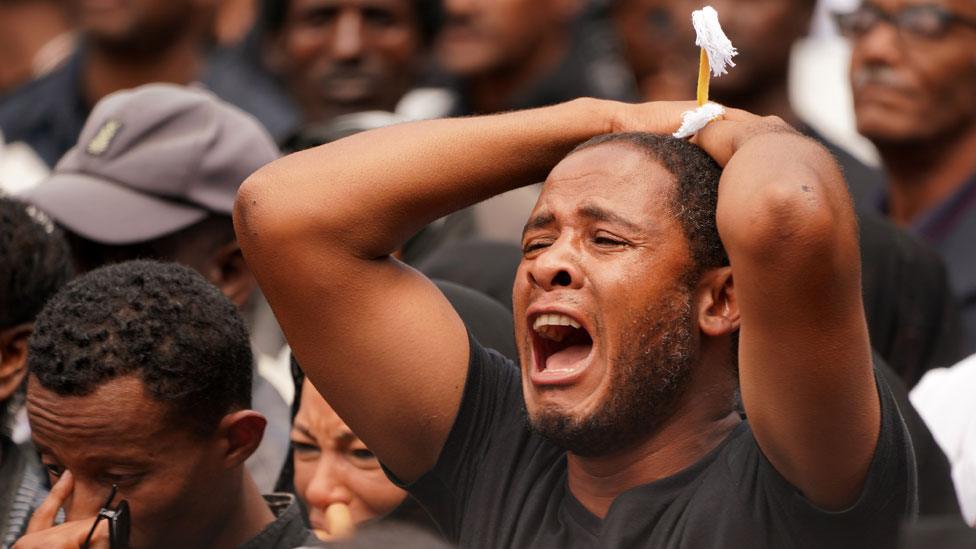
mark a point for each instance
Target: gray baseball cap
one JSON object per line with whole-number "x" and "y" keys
{"x": 151, "y": 161}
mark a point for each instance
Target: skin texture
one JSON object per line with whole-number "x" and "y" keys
{"x": 182, "y": 489}
{"x": 582, "y": 262}
{"x": 125, "y": 22}
{"x": 210, "y": 249}
{"x": 135, "y": 42}
{"x": 343, "y": 56}
{"x": 913, "y": 98}
{"x": 333, "y": 466}
{"x": 13, "y": 358}
{"x": 501, "y": 46}
{"x": 656, "y": 47}
{"x": 25, "y": 28}
{"x": 783, "y": 214}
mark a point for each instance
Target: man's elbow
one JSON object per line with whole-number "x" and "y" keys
{"x": 797, "y": 218}
{"x": 259, "y": 216}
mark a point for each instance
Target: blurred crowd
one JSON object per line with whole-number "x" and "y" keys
{"x": 149, "y": 395}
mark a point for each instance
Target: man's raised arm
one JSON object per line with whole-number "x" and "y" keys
{"x": 318, "y": 227}
{"x": 785, "y": 218}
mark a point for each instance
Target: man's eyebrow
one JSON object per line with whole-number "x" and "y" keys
{"x": 539, "y": 221}
{"x": 303, "y": 430}
{"x": 597, "y": 213}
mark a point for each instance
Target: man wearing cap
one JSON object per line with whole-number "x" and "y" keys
{"x": 154, "y": 175}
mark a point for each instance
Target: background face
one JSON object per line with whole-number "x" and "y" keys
{"x": 350, "y": 55}
{"x": 763, "y": 31}
{"x": 485, "y": 36}
{"x": 611, "y": 232}
{"x": 908, "y": 89}
{"x": 120, "y": 435}
{"x": 333, "y": 466}
{"x": 123, "y": 22}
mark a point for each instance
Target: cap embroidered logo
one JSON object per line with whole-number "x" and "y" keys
{"x": 103, "y": 137}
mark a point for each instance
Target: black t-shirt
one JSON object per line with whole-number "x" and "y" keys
{"x": 496, "y": 484}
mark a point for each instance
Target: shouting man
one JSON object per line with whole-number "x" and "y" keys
{"x": 658, "y": 279}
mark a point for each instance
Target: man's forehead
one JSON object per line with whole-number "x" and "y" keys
{"x": 609, "y": 176}
{"x": 119, "y": 410}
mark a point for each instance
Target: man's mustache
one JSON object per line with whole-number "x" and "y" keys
{"x": 880, "y": 75}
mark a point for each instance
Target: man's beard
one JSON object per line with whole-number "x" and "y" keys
{"x": 645, "y": 383}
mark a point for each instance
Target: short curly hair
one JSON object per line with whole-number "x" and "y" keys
{"x": 695, "y": 199}
{"x": 162, "y": 322}
{"x": 35, "y": 261}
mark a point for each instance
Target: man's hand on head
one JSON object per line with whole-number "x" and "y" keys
{"x": 42, "y": 533}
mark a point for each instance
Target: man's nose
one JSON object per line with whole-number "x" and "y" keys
{"x": 557, "y": 266}
{"x": 881, "y": 44}
{"x": 348, "y": 40}
{"x": 328, "y": 485}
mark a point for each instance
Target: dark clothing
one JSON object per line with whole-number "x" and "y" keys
{"x": 287, "y": 531}
{"x": 590, "y": 68}
{"x": 936, "y": 492}
{"x": 947, "y": 532}
{"x": 911, "y": 311}
{"x": 912, "y": 317}
{"x": 263, "y": 95}
{"x": 949, "y": 229}
{"x": 486, "y": 266}
{"x": 49, "y": 113}
{"x": 484, "y": 317}
{"x": 22, "y": 489}
{"x": 497, "y": 484}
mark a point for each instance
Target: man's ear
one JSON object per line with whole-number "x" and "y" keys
{"x": 242, "y": 432}
{"x": 229, "y": 272}
{"x": 718, "y": 309}
{"x": 13, "y": 358}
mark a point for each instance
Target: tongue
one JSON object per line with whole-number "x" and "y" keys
{"x": 568, "y": 358}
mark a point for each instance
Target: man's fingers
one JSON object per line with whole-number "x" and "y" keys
{"x": 45, "y": 514}
{"x": 70, "y": 535}
{"x": 100, "y": 539}
{"x": 722, "y": 137}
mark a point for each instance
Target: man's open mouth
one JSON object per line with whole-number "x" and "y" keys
{"x": 560, "y": 346}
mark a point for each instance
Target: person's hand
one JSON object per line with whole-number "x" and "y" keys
{"x": 338, "y": 523}
{"x": 43, "y": 534}
{"x": 720, "y": 138}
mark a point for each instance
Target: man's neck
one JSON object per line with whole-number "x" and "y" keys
{"x": 107, "y": 71}
{"x": 691, "y": 432}
{"x": 496, "y": 91}
{"x": 921, "y": 175}
{"x": 246, "y": 518}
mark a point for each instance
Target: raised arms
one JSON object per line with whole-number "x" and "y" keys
{"x": 374, "y": 336}
{"x": 390, "y": 355}
{"x": 805, "y": 371}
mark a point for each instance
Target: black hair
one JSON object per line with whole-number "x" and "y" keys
{"x": 429, "y": 16}
{"x": 211, "y": 233}
{"x": 162, "y": 322}
{"x": 34, "y": 261}
{"x": 695, "y": 196}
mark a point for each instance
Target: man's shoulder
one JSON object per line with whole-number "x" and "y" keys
{"x": 288, "y": 529}
{"x": 33, "y": 98}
